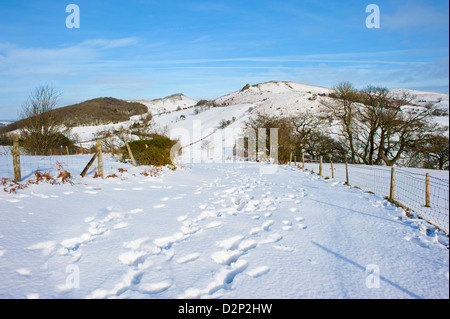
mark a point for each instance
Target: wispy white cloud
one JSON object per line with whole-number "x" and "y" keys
{"x": 105, "y": 44}
{"x": 396, "y": 57}
{"x": 200, "y": 39}
{"x": 18, "y": 61}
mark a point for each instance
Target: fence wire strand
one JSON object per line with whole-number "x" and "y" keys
{"x": 410, "y": 188}
{"x": 73, "y": 161}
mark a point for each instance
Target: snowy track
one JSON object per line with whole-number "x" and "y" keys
{"x": 215, "y": 231}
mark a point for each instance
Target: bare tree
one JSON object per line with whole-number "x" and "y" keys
{"x": 344, "y": 109}
{"x": 376, "y": 125}
{"x": 401, "y": 129}
{"x": 42, "y": 129}
{"x": 286, "y": 139}
{"x": 436, "y": 151}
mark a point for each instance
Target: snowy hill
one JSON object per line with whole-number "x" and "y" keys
{"x": 4, "y": 123}
{"x": 280, "y": 98}
{"x": 168, "y": 104}
{"x": 289, "y": 98}
{"x": 423, "y": 99}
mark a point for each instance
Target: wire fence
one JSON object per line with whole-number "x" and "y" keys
{"x": 424, "y": 192}
{"x": 72, "y": 160}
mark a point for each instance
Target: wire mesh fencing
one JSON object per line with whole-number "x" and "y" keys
{"x": 71, "y": 160}
{"x": 425, "y": 192}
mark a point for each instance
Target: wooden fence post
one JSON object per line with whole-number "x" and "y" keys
{"x": 427, "y": 190}
{"x": 303, "y": 160}
{"x": 16, "y": 158}
{"x": 83, "y": 173}
{"x": 99, "y": 158}
{"x": 346, "y": 171}
{"x": 290, "y": 159}
{"x": 295, "y": 160}
{"x": 320, "y": 166}
{"x": 332, "y": 170}
{"x": 392, "y": 186}
{"x": 131, "y": 154}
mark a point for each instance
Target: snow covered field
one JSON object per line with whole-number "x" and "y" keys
{"x": 215, "y": 230}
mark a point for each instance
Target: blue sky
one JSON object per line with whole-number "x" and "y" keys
{"x": 138, "y": 49}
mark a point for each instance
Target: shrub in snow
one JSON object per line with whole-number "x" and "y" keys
{"x": 155, "y": 151}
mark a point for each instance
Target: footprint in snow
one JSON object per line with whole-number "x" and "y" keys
{"x": 132, "y": 258}
{"x": 41, "y": 195}
{"x": 24, "y": 272}
{"x": 47, "y": 247}
{"x": 155, "y": 288}
{"x": 120, "y": 225}
{"x": 418, "y": 241}
{"x": 287, "y": 225}
{"x": 188, "y": 258}
{"x": 259, "y": 271}
{"x": 226, "y": 257}
{"x": 284, "y": 248}
{"x": 214, "y": 224}
{"x": 222, "y": 279}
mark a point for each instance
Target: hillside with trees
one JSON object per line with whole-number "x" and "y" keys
{"x": 97, "y": 111}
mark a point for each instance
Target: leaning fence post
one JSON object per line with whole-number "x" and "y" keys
{"x": 100, "y": 158}
{"x": 320, "y": 166}
{"x": 16, "y": 158}
{"x": 392, "y": 187}
{"x": 83, "y": 173}
{"x": 427, "y": 190}
{"x": 131, "y": 154}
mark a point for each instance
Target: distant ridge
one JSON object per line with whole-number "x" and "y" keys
{"x": 168, "y": 103}
{"x": 97, "y": 111}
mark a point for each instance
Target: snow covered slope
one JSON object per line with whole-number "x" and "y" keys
{"x": 168, "y": 104}
{"x": 280, "y": 98}
{"x": 4, "y": 123}
{"x": 215, "y": 231}
{"x": 289, "y": 98}
{"x": 422, "y": 99}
